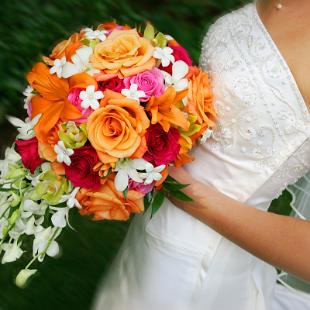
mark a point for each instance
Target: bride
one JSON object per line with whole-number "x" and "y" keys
{"x": 218, "y": 252}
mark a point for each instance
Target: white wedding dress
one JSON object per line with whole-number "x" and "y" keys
{"x": 261, "y": 144}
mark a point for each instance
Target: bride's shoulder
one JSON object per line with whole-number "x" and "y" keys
{"x": 224, "y": 27}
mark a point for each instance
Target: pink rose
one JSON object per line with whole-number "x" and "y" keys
{"x": 74, "y": 98}
{"x": 140, "y": 187}
{"x": 150, "y": 81}
{"x": 116, "y": 84}
{"x": 162, "y": 147}
{"x": 28, "y": 150}
{"x": 80, "y": 172}
{"x": 179, "y": 53}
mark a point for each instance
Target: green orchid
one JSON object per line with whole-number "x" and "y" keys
{"x": 72, "y": 135}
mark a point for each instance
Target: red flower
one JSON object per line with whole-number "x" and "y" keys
{"x": 179, "y": 53}
{"x": 28, "y": 150}
{"x": 162, "y": 147}
{"x": 116, "y": 84}
{"x": 80, "y": 172}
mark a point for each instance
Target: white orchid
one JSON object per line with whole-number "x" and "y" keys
{"x": 133, "y": 92}
{"x": 206, "y": 135}
{"x": 61, "y": 217}
{"x": 28, "y": 93}
{"x": 12, "y": 252}
{"x": 95, "y": 34}
{"x": 79, "y": 63}
{"x": 23, "y": 276}
{"x": 90, "y": 97}
{"x": 126, "y": 169}
{"x": 177, "y": 78}
{"x": 164, "y": 54}
{"x": 25, "y": 128}
{"x": 10, "y": 157}
{"x": 44, "y": 243}
{"x": 152, "y": 173}
{"x": 58, "y": 66}
{"x": 63, "y": 153}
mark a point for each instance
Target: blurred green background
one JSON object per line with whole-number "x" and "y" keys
{"x": 29, "y": 29}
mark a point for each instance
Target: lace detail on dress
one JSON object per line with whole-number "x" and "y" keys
{"x": 262, "y": 116}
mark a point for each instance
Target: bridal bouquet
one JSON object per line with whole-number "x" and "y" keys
{"x": 108, "y": 111}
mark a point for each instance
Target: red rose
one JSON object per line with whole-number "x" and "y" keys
{"x": 116, "y": 84}
{"x": 179, "y": 53}
{"x": 28, "y": 150}
{"x": 162, "y": 147}
{"x": 80, "y": 172}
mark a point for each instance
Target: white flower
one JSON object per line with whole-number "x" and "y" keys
{"x": 177, "y": 79}
{"x": 164, "y": 54}
{"x": 169, "y": 37}
{"x": 60, "y": 217}
{"x": 90, "y": 97}
{"x": 12, "y": 252}
{"x": 206, "y": 135}
{"x": 71, "y": 199}
{"x": 23, "y": 276}
{"x": 11, "y": 156}
{"x": 95, "y": 34}
{"x": 44, "y": 243}
{"x": 152, "y": 173}
{"x": 58, "y": 66}
{"x": 28, "y": 93}
{"x": 63, "y": 153}
{"x": 128, "y": 169}
{"x": 133, "y": 92}
{"x": 80, "y": 63}
{"x": 25, "y": 128}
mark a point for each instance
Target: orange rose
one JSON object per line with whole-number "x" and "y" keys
{"x": 124, "y": 53}
{"x": 107, "y": 203}
{"x": 200, "y": 98}
{"x": 117, "y": 128}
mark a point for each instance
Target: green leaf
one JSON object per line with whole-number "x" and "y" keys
{"x": 181, "y": 196}
{"x": 157, "y": 201}
{"x": 147, "y": 200}
{"x": 125, "y": 192}
{"x": 174, "y": 186}
{"x": 171, "y": 180}
{"x": 149, "y": 32}
{"x": 160, "y": 40}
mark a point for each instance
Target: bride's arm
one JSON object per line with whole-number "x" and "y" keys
{"x": 279, "y": 240}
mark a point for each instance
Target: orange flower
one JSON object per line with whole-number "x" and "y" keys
{"x": 124, "y": 53}
{"x": 107, "y": 203}
{"x": 200, "y": 98}
{"x": 116, "y": 129}
{"x": 51, "y": 100}
{"x": 164, "y": 109}
{"x": 111, "y": 25}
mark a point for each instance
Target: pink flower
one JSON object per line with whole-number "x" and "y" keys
{"x": 150, "y": 81}
{"x": 140, "y": 187}
{"x": 28, "y": 150}
{"x": 80, "y": 172}
{"x": 74, "y": 98}
{"x": 179, "y": 53}
{"x": 116, "y": 84}
{"x": 162, "y": 147}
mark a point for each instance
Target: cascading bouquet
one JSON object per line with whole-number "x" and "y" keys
{"x": 108, "y": 111}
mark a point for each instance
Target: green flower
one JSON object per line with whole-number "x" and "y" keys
{"x": 72, "y": 135}
{"x": 15, "y": 171}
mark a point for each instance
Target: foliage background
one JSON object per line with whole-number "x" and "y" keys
{"x": 29, "y": 29}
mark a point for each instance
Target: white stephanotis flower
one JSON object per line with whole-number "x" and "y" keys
{"x": 95, "y": 34}
{"x": 63, "y": 153}
{"x": 177, "y": 78}
{"x": 79, "y": 63}
{"x": 126, "y": 169}
{"x": 12, "y": 252}
{"x": 90, "y": 97}
{"x": 71, "y": 199}
{"x": 133, "y": 92}
{"x": 28, "y": 93}
{"x": 152, "y": 173}
{"x": 164, "y": 54}
{"x": 58, "y": 66}
{"x": 44, "y": 243}
{"x": 25, "y": 128}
